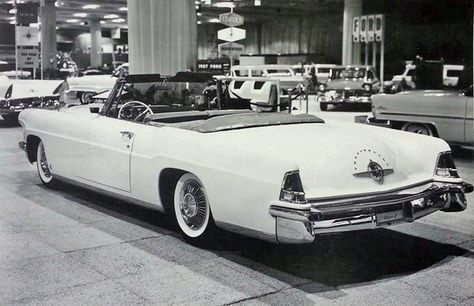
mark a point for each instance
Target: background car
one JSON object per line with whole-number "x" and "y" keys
{"x": 23, "y": 94}
{"x": 284, "y": 73}
{"x": 447, "y": 114}
{"x": 349, "y": 85}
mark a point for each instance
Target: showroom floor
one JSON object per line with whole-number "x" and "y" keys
{"x": 74, "y": 247}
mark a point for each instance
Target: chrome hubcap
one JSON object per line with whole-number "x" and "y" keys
{"x": 193, "y": 206}
{"x": 44, "y": 163}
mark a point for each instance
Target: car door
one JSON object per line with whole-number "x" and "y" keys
{"x": 103, "y": 153}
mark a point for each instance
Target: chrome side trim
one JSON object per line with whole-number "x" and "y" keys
{"x": 110, "y": 193}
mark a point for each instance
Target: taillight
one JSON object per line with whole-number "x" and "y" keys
{"x": 292, "y": 188}
{"x": 445, "y": 166}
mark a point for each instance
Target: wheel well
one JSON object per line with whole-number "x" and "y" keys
{"x": 167, "y": 182}
{"x": 32, "y": 146}
{"x": 399, "y": 124}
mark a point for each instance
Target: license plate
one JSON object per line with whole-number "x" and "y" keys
{"x": 389, "y": 216}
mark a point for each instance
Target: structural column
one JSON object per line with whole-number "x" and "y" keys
{"x": 96, "y": 37}
{"x": 350, "y": 55}
{"x": 162, "y": 36}
{"x": 48, "y": 38}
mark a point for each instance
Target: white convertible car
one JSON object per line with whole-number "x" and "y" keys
{"x": 273, "y": 175}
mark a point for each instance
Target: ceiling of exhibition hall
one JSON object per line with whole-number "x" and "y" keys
{"x": 113, "y": 13}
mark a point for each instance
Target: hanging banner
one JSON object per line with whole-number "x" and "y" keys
{"x": 228, "y": 48}
{"x": 363, "y": 29}
{"x": 26, "y": 36}
{"x": 379, "y": 24}
{"x": 355, "y": 29}
{"x": 370, "y": 28}
{"x": 231, "y": 34}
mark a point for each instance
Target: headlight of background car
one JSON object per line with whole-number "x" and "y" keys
{"x": 367, "y": 87}
{"x": 292, "y": 188}
{"x": 445, "y": 166}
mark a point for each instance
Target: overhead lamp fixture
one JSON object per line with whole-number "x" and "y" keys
{"x": 123, "y": 9}
{"x": 214, "y": 20}
{"x": 111, "y": 16}
{"x": 12, "y": 22}
{"x": 118, "y": 20}
{"x": 225, "y": 4}
{"x": 11, "y": 18}
{"x": 12, "y": 11}
{"x": 102, "y": 22}
{"x": 82, "y": 15}
{"x": 199, "y": 14}
{"x": 199, "y": 22}
{"x": 91, "y": 6}
{"x": 258, "y": 2}
{"x": 59, "y": 3}
{"x": 72, "y": 20}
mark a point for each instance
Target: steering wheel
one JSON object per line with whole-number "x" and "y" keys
{"x": 129, "y": 113}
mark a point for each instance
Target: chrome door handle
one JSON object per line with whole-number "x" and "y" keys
{"x": 127, "y": 133}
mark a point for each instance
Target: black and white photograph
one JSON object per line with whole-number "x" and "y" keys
{"x": 236, "y": 152}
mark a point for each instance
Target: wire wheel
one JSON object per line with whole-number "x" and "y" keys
{"x": 44, "y": 170}
{"x": 191, "y": 206}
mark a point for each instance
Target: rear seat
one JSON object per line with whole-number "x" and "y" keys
{"x": 255, "y": 91}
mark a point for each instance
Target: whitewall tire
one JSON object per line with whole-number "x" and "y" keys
{"x": 192, "y": 210}
{"x": 42, "y": 165}
{"x": 418, "y": 128}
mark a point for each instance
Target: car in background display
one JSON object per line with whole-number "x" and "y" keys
{"x": 447, "y": 114}
{"x": 179, "y": 145}
{"x": 349, "y": 85}
{"x": 322, "y": 71}
{"x": 406, "y": 81}
{"x": 87, "y": 86}
{"x": 284, "y": 73}
{"x": 18, "y": 95}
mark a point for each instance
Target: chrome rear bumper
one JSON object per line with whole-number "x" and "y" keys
{"x": 295, "y": 225}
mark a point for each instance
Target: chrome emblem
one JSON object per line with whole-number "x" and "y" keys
{"x": 375, "y": 171}
{"x": 377, "y": 168}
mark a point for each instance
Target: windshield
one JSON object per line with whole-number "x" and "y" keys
{"x": 348, "y": 73}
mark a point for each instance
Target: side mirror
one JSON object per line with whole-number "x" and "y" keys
{"x": 94, "y": 109}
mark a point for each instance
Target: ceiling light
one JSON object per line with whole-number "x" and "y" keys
{"x": 11, "y": 18}
{"x": 102, "y": 22}
{"x": 199, "y": 13}
{"x": 12, "y": 11}
{"x": 72, "y": 20}
{"x": 214, "y": 20}
{"x": 91, "y": 6}
{"x": 111, "y": 16}
{"x": 12, "y": 22}
{"x": 123, "y": 9}
{"x": 225, "y": 4}
{"x": 118, "y": 20}
{"x": 80, "y": 15}
{"x": 199, "y": 22}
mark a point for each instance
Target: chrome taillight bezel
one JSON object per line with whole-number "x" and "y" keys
{"x": 445, "y": 166}
{"x": 292, "y": 188}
